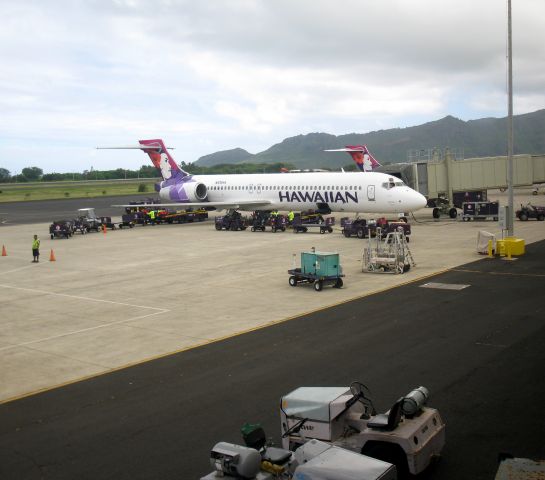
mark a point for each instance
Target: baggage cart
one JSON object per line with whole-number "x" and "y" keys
{"x": 319, "y": 269}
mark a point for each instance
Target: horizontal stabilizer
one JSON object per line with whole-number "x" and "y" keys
{"x": 134, "y": 147}
{"x": 347, "y": 150}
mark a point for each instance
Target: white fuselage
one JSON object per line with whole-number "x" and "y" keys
{"x": 369, "y": 192}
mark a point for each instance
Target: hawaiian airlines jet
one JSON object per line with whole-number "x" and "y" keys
{"x": 324, "y": 191}
{"x": 361, "y": 155}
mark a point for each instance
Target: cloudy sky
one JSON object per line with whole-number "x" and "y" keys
{"x": 213, "y": 75}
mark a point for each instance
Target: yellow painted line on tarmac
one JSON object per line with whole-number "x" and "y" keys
{"x": 220, "y": 339}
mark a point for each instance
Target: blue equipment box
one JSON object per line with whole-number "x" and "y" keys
{"x": 322, "y": 264}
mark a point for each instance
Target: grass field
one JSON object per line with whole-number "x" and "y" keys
{"x": 88, "y": 189}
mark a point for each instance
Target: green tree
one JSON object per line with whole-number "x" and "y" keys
{"x": 32, "y": 173}
{"x": 4, "y": 175}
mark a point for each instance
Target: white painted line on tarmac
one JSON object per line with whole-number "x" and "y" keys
{"x": 158, "y": 311}
{"x": 34, "y": 290}
{"x": 18, "y": 269}
{"x": 83, "y": 330}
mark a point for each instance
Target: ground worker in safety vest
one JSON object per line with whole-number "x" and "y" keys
{"x": 36, "y": 249}
{"x": 291, "y": 216}
{"x": 151, "y": 215}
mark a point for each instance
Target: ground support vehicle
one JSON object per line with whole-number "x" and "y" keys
{"x": 231, "y": 221}
{"x": 259, "y": 221}
{"x": 61, "y": 229}
{"x": 357, "y": 227}
{"x": 391, "y": 255}
{"x": 480, "y": 211}
{"x": 326, "y": 226}
{"x": 442, "y": 206}
{"x": 314, "y": 460}
{"x": 127, "y": 220}
{"x": 319, "y": 269}
{"x": 181, "y": 216}
{"x": 79, "y": 226}
{"x": 409, "y": 435}
{"x": 531, "y": 211}
{"x": 278, "y": 223}
{"x": 89, "y": 219}
{"x": 361, "y": 228}
{"x": 107, "y": 222}
{"x": 141, "y": 217}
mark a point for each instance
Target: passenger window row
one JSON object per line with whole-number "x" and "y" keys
{"x": 275, "y": 187}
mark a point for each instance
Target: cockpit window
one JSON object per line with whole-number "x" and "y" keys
{"x": 392, "y": 183}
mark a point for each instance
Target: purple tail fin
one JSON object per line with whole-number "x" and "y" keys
{"x": 362, "y": 157}
{"x": 162, "y": 160}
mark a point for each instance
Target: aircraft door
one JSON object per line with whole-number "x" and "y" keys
{"x": 371, "y": 193}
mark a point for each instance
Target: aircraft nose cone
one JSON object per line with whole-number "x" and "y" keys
{"x": 416, "y": 201}
{"x": 421, "y": 201}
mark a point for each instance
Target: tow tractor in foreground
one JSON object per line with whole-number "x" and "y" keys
{"x": 334, "y": 433}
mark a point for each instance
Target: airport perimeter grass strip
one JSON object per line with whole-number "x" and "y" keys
{"x": 22, "y": 192}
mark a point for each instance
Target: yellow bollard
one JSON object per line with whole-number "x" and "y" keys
{"x": 490, "y": 250}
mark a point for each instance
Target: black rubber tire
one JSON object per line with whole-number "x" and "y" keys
{"x": 359, "y": 233}
{"x": 346, "y": 233}
{"x": 540, "y": 217}
{"x": 292, "y": 281}
{"x": 453, "y": 213}
{"x": 329, "y": 230}
{"x": 218, "y": 227}
{"x": 318, "y": 285}
{"x": 322, "y": 230}
{"x": 338, "y": 283}
{"x": 436, "y": 213}
{"x": 523, "y": 217}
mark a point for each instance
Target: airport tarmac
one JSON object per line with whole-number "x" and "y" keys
{"x": 120, "y": 299}
{"x": 479, "y": 350}
{"x": 116, "y": 299}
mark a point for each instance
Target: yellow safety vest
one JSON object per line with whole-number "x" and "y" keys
{"x": 36, "y": 244}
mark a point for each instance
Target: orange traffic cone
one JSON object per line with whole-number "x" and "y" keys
{"x": 52, "y": 256}
{"x": 104, "y": 229}
{"x": 4, "y": 253}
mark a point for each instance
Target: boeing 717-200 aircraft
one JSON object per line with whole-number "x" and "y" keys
{"x": 325, "y": 192}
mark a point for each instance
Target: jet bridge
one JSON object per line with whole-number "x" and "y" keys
{"x": 444, "y": 178}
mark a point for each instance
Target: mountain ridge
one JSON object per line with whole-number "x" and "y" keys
{"x": 477, "y": 138}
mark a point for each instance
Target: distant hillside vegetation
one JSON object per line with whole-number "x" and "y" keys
{"x": 236, "y": 155}
{"x": 477, "y": 138}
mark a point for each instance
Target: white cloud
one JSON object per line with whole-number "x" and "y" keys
{"x": 209, "y": 76}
